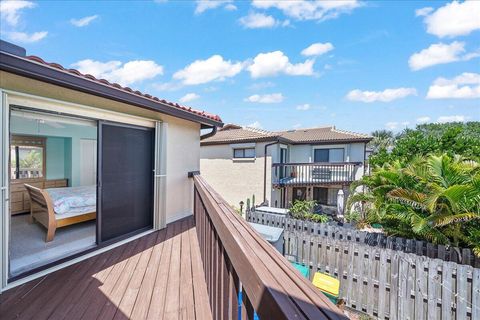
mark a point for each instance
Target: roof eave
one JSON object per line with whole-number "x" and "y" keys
{"x": 23, "y": 67}
{"x": 220, "y": 142}
{"x": 318, "y": 142}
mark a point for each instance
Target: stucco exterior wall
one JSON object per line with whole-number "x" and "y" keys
{"x": 183, "y": 156}
{"x": 182, "y": 141}
{"x": 236, "y": 180}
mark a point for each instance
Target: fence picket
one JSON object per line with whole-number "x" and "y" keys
{"x": 447, "y": 275}
{"x": 461, "y": 311}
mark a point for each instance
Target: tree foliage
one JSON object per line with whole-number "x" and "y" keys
{"x": 434, "y": 198}
{"x": 305, "y": 210}
{"x": 454, "y": 138}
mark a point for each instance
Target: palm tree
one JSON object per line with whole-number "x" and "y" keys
{"x": 436, "y": 198}
{"x": 382, "y": 139}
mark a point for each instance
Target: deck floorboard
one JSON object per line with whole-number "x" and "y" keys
{"x": 159, "y": 276}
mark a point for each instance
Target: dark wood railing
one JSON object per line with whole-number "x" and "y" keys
{"x": 284, "y": 174}
{"x": 237, "y": 260}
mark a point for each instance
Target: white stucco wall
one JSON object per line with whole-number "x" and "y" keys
{"x": 183, "y": 156}
{"x": 236, "y": 180}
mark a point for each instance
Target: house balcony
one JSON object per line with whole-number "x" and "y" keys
{"x": 195, "y": 268}
{"x": 314, "y": 173}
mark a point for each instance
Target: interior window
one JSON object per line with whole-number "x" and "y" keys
{"x": 27, "y": 158}
{"x": 244, "y": 153}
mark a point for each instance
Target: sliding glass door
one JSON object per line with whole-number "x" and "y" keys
{"x": 125, "y": 180}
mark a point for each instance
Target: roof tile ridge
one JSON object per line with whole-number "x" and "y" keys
{"x": 117, "y": 86}
{"x": 360, "y": 135}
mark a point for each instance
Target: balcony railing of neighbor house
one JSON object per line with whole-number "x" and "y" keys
{"x": 291, "y": 174}
{"x": 237, "y": 260}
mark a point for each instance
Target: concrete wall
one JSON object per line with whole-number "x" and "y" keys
{"x": 237, "y": 180}
{"x": 183, "y": 147}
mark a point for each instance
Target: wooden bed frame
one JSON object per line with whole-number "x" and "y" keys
{"x": 41, "y": 210}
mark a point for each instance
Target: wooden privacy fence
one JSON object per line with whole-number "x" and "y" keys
{"x": 334, "y": 231}
{"x": 391, "y": 284}
{"x": 237, "y": 260}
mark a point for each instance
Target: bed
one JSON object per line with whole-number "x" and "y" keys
{"x": 59, "y": 207}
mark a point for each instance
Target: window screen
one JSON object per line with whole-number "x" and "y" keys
{"x": 321, "y": 155}
{"x": 126, "y": 175}
{"x": 336, "y": 155}
{"x": 244, "y": 153}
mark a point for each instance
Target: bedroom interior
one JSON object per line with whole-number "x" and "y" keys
{"x": 53, "y": 174}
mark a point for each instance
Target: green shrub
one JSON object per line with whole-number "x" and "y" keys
{"x": 304, "y": 210}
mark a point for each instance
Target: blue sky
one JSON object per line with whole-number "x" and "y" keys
{"x": 358, "y": 65}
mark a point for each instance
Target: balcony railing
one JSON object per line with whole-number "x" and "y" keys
{"x": 296, "y": 174}
{"x": 237, "y": 260}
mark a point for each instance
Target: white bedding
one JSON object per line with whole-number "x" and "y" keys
{"x": 73, "y": 201}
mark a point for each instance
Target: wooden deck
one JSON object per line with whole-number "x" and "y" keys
{"x": 159, "y": 276}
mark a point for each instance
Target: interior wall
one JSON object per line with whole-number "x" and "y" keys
{"x": 62, "y": 146}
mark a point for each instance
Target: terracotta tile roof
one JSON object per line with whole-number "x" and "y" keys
{"x": 322, "y": 135}
{"x": 235, "y": 134}
{"x": 126, "y": 89}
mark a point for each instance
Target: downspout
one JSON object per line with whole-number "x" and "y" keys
{"x": 265, "y": 170}
{"x": 208, "y": 135}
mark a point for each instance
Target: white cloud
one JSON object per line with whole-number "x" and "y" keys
{"x": 204, "y": 5}
{"x": 440, "y": 53}
{"x": 423, "y": 119}
{"x": 83, "y": 21}
{"x": 230, "y": 7}
{"x": 10, "y": 11}
{"x": 266, "y": 98}
{"x": 274, "y": 63}
{"x": 386, "y": 95}
{"x": 27, "y": 37}
{"x": 189, "y": 97}
{"x": 454, "y": 19}
{"x": 464, "y": 86}
{"x": 423, "y": 11}
{"x": 317, "y": 49}
{"x": 212, "y": 69}
{"x": 258, "y": 20}
{"x": 309, "y": 10}
{"x": 256, "y": 125}
{"x": 303, "y": 107}
{"x": 456, "y": 118}
{"x": 126, "y": 74}
{"x": 297, "y": 126}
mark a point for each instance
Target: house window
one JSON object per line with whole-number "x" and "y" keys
{"x": 27, "y": 158}
{"x": 325, "y": 196}
{"x": 244, "y": 153}
{"x": 328, "y": 155}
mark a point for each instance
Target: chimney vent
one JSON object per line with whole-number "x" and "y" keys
{"x": 12, "y": 49}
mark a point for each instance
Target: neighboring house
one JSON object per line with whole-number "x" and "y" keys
{"x": 281, "y": 167}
